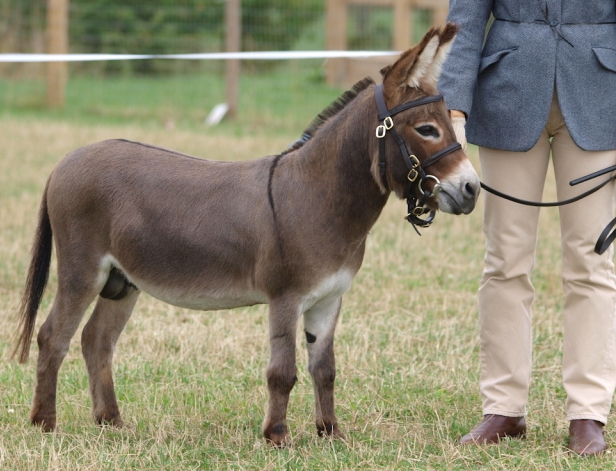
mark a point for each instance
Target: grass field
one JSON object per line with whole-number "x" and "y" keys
{"x": 191, "y": 384}
{"x": 278, "y": 103}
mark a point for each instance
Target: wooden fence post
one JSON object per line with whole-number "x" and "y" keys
{"x": 57, "y": 43}
{"x": 336, "y": 39}
{"x": 347, "y": 71}
{"x": 233, "y": 44}
{"x": 403, "y": 16}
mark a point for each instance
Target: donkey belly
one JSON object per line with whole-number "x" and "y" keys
{"x": 204, "y": 300}
{"x": 198, "y": 294}
{"x": 212, "y": 304}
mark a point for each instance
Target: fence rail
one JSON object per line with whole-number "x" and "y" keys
{"x": 103, "y": 38}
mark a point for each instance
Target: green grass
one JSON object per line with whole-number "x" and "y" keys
{"x": 280, "y": 102}
{"x": 191, "y": 384}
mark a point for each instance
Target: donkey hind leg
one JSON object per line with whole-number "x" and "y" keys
{"x": 319, "y": 325}
{"x": 98, "y": 341}
{"x": 281, "y": 371}
{"x": 73, "y": 297}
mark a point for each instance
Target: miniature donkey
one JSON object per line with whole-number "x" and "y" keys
{"x": 288, "y": 230}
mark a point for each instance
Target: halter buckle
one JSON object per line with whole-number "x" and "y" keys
{"x": 413, "y": 173}
{"x": 382, "y": 129}
{"x": 419, "y": 211}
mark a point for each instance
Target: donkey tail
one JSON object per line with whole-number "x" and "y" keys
{"x": 38, "y": 274}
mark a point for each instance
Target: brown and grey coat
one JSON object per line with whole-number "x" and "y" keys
{"x": 287, "y": 230}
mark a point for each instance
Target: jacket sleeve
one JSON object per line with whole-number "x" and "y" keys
{"x": 459, "y": 74}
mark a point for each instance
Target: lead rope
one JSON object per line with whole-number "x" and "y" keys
{"x": 606, "y": 238}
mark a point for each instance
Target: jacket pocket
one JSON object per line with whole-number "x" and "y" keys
{"x": 494, "y": 58}
{"x": 606, "y": 56}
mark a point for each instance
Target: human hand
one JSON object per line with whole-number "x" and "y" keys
{"x": 458, "y": 121}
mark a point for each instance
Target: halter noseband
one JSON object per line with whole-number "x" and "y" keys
{"x": 417, "y": 206}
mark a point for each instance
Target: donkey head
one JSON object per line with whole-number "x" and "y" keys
{"x": 426, "y": 129}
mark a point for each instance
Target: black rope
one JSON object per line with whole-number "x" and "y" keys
{"x": 550, "y": 204}
{"x": 606, "y": 238}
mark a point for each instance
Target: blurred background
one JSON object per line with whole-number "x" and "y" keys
{"x": 279, "y": 96}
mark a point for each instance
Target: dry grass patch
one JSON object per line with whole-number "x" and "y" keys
{"x": 191, "y": 384}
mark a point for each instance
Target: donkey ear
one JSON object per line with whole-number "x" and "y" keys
{"x": 422, "y": 62}
{"x": 413, "y": 64}
{"x": 446, "y": 41}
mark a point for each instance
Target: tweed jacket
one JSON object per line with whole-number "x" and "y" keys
{"x": 533, "y": 49}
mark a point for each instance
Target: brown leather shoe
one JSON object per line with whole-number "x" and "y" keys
{"x": 494, "y": 427}
{"x": 586, "y": 437}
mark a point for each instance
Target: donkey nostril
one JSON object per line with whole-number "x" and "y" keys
{"x": 470, "y": 190}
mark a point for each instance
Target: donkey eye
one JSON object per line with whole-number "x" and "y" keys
{"x": 427, "y": 131}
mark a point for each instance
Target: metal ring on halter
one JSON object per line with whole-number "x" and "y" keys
{"x": 419, "y": 210}
{"x": 437, "y": 185}
{"x": 388, "y": 123}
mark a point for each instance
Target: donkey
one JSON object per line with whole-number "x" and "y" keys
{"x": 288, "y": 230}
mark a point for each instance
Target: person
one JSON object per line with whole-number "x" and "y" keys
{"x": 543, "y": 80}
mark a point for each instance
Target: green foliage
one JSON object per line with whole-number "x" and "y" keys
{"x": 276, "y": 25}
{"x": 179, "y": 26}
{"x": 155, "y": 27}
{"x": 371, "y": 27}
{"x": 20, "y": 22}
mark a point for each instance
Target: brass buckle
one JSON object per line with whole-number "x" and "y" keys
{"x": 382, "y": 129}
{"x": 419, "y": 211}
{"x": 413, "y": 173}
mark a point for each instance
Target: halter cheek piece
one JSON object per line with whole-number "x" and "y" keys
{"x": 416, "y": 206}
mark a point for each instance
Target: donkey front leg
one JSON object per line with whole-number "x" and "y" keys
{"x": 281, "y": 372}
{"x": 319, "y": 325}
{"x": 98, "y": 341}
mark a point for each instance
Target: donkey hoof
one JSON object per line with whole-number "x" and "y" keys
{"x": 113, "y": 420}
{"x": 330, "y": 430}
{"x": 277, "y": 435}
{"x": 48, "y": 424}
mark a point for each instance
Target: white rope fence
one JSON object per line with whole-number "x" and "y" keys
{"x": 266, "y": 55}
{"x": 220, "y": 110}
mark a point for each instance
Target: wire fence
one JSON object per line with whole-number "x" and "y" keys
{"x": 175, "y": 27}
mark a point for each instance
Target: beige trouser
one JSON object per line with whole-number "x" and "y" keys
{"x": 506, "y": 293}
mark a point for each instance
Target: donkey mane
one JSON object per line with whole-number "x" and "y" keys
{"x": 332, "y": 110}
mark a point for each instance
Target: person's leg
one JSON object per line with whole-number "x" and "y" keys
{"x": 506, "y": 293}
{"x": 589, "y": 349}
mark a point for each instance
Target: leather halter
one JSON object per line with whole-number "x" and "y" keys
{"x": 416, "y": 206}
